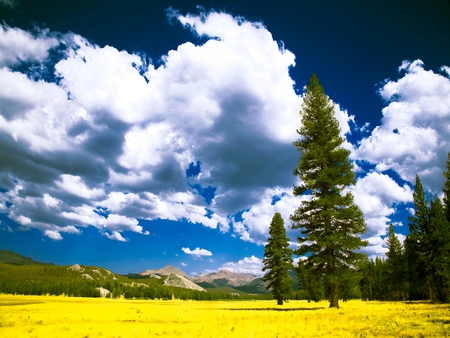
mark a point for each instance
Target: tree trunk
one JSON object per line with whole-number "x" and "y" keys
{"x": 280, "y": 300}
{"x": 334, "y": 295}
{"x": 432, "y": 292}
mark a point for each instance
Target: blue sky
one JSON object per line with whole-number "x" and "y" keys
{"x": 139, "y": 134}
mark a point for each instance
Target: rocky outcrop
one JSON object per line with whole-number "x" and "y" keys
{"x": 103, "y": 292}
{"x": 180, "y": 281}
{"x": 86, "y": 276}
{"x": 75, "y": 267}
{"x": 165, "y": 271}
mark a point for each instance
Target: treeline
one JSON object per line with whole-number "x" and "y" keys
{"x": 87, "y": 281}
{"x": 420, "y": 268}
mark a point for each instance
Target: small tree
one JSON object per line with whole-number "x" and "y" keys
{"x": 329, "y": 221}
{"x": 278, "y": 260}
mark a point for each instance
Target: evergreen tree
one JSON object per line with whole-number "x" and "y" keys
{"x": 414, "y": 244}
{"x": 428, "y": 247}
{"x": 278, "y": 260}
{"x": 396, "y": 267}
{"x": 446, "y": 189}
{"x": 309, "y": 282}
{"x": 437, "y": 254}
{"x": 330, "y": 222}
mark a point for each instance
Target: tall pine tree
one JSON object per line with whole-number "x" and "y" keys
{"x": 428, "y": 247}
{"x": 414, "y": 244}
{"x": 329, "y": 222}
{"x": 446, "y": 189}
{"x": 396, "y": 267}
{"x": 278, "y": 260}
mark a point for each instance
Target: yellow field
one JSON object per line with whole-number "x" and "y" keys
{"x": 47, "y": 316}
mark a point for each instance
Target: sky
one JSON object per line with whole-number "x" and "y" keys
{"x": 137, "y": 134}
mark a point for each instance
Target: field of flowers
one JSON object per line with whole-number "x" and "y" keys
{"x": 47, "y": 316}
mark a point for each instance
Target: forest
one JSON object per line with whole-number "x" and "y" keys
{"x": 86, "y": 281}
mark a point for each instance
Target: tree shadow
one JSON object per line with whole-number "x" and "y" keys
{"x": 275, "y": 309}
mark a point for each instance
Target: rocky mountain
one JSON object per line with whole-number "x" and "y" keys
{"x": 165, "y": 271}
{"x": 180, "y": 281}
{"x": 225, "y": 278}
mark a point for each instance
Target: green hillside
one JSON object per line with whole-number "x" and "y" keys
{"x": 22, "y": 275}
{"x": 10, "y": 257}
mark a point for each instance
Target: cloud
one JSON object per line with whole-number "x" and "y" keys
{"x": 118, "y": 133}
{"x": 115, "y": 235}
{"x": 377, "y": 195}
{"x": 252, "y": 265}
{"x": 414, "y": 135}
{"x": 197, "y": 252}
{"x": 17, "y": 45}
{"x": 255, "y": 223}
{"x": 112, "y": 141}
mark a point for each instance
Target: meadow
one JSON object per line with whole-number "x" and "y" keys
{"x": 51, "y": 316}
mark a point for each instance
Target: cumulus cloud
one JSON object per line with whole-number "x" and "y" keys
{"x": 414, "y": 135}
{"x": 18, "y": 45}
{"x": 118, "y": 133}
{"x": 110, "y": 142}
{"x": 251, "y": 265}
{"x": 377, "y": 195}
{"x": 197, "y": 252}
{"x": 255, "y": 223}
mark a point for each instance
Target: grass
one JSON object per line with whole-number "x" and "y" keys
{"x": 49, "y": 316}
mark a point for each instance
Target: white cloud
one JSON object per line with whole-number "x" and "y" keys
{"x": 377, "y": 195}
{"x": 197, "y": 252}
{"x": 415, "y": 131}
{"x": 251, "y": 265}
{"x": 74, "y": 185}
{"x": 255, "y": 223}
{"x": 18, "y": 45}
{"x": 106, "y": 137}
{"x": 53, "y": 234}
{"x": 115, "y": 235}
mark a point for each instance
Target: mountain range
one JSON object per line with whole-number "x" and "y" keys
{"x": 223, "y": 281}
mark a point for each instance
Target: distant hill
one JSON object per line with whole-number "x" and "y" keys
{"x": 224, "y": 278}
{"x": 165, "y": 271}
{"x": 256, "y": 286}
{"x": 10, "y": 257}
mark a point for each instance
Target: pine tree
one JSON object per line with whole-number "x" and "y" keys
{"x": 309, "y": 282}
{"x": 436, "y": 256}
{"x": 428, "y": 247}
{"x": 396, "y": 266}
{"x": 414, "y": 245}
{"x": 446, "y": 189}
{"x": 278, "y": 260}
{"x": 330, "y": 221}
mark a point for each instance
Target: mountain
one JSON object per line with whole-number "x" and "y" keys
{"x": 225, "y": 278}
{"x": 10, "y": 257}
{"x": 256, "y": 286}
{"x": 180, "y": 281}
{"x": 165, "y": 271}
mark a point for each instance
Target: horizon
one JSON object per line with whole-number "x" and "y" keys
{"x": 145, "y": 134}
